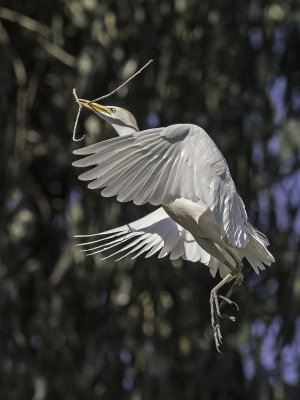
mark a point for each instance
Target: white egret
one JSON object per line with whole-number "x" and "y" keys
{"x": 201, "y": 216}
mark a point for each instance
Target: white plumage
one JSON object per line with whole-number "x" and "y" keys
{"x": 179, "y": 168}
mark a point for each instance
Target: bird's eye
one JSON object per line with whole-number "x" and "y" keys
{"x": 113, "y": 110}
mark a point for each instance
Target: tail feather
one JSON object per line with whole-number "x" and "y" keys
{"x": 256, "y": 251}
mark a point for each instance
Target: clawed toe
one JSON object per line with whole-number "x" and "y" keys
{"x": 230, "y": 317}
{"x": 216, "y": 315}
{"x": 229, "y": 301}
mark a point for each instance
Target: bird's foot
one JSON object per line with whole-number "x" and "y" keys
{"x": 228, "y": 301}
{"x": 216, "y": 314}
{"x": 215, "y": 319}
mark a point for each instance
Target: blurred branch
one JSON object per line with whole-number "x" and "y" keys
{"x": 33, "y": 84}
{"x": 45, "y": 34}
{"x": 58, "y": 53}
{"x": 24, "y": 21}
{"x": 17, "y": 63}
{"x": 25, "y": 96}
{"x": 21, "y": 78}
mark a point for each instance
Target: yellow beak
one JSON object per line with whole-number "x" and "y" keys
{"x": 94, "y": 106}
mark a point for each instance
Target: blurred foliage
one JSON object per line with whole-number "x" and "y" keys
{"x": 73, "y": 327}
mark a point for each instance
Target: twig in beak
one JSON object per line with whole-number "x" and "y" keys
{"x": 77, "y": 117}
{"x": 101, "y": 98}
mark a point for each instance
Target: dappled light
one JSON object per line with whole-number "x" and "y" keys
{"x": 81, "y": 327}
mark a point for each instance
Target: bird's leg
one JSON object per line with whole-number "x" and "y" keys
{"x": 215, "y": 308}
{"x": 239, "y": 277}
{"x": 215, "y": 311}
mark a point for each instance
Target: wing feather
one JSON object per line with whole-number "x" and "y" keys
{"x": 163, "y": 164}
{"x": 100, "y": 170}
{"x": 111, "y": 174}
{"x": 96, "y": 147}
{"x": 156, "y": 232}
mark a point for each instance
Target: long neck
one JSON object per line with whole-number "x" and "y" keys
{"x": 122, "y": 127}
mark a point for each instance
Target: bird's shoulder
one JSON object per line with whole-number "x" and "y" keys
{"x": 179, "y": 132}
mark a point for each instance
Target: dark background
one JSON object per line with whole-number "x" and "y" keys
{"x": 73, "y": 327}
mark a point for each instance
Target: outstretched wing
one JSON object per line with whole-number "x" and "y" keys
{"x": 163, "y": 164}
{"x": 156, "y": 232}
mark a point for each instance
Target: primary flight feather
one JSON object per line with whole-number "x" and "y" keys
{"x": 179, "y": 168}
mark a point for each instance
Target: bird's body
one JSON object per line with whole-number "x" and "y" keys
{"x": 179, "y": 168}
{"x": 198, "y": 219}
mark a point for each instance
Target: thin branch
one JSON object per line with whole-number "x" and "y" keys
{"x": 77, "y": 117}
{"x": 123, "y": 84}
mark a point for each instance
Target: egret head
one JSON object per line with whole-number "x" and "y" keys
{"x": 119, "y": 118}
